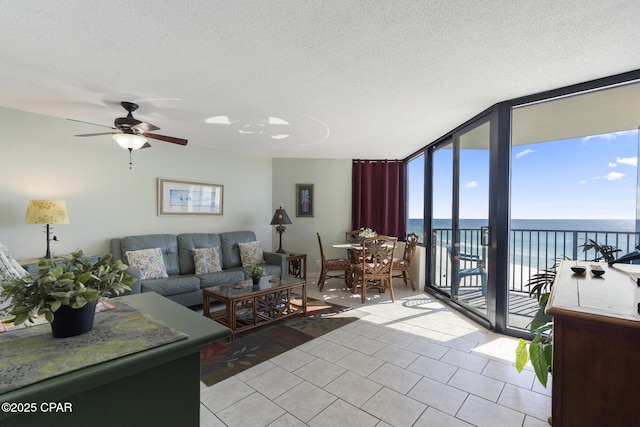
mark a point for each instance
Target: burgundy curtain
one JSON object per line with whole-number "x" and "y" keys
{"x": 378, "y": 196}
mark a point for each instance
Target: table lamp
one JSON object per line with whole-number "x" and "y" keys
{"x": 279, "y": 219}
{"x": 47, "y": 212}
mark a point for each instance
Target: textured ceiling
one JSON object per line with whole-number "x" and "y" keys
{"x": 354, "y": 79}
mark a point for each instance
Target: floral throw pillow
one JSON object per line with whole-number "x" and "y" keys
{"x": 149, "y": 262}
{"x": 250, "y": 254}
{"x": 9, "y": 267}
{"x": 206, "y": 260}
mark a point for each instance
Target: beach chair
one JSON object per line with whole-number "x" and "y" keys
{"x": 477, "y": 270}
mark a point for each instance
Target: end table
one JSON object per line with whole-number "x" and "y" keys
{"x": 297, "y": 265}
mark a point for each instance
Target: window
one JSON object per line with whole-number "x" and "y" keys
{"x": 415, "y": 196}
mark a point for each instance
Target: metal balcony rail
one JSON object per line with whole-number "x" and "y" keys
{"x": 530, "y": 251}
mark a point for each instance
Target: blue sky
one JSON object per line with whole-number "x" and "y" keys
{"x": 592, "y": 178}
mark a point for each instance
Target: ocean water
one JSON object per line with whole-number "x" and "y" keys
{"x": 539, "y": 243}
{"x": 610, "y": 225}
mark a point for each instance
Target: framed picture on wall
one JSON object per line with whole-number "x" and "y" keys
{"x": 304, "y": 200}
{"x": 189, "y": 198}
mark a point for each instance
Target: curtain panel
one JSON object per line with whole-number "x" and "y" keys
{"x": 378, "y": 196}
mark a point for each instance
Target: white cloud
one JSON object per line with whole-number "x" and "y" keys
{"x": 524, "y": 153}
{"x": 606, "y": 136}
{"x": 631, "y": 161}
{"x": 582, "y": 182}
{"x": 472, "y": 184}
{"x": 612, "y": 165}
{"x": 612, "y": 176}
{"x": 609, "y": 136}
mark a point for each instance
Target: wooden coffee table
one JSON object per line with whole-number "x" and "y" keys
{"x": 248, "y": 306}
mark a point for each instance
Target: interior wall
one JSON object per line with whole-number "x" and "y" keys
{"x": 332, "y": 205}
{"x": 41, "y": 159}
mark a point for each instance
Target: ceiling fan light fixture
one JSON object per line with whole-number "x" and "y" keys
{"x": 129, "y": 140}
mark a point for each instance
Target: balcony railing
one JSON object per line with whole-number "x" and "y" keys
{"x": 531, "y": 251}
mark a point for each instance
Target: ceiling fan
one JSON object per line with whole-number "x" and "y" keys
{"x": 131, "y": 133}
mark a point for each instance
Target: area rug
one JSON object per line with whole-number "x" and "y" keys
{"x": 224, "y": 359}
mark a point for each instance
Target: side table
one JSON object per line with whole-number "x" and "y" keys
{"x": 297, "y": 265}
{"x": 31, "y": 264}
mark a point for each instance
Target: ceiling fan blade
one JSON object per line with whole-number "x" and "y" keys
{"x": 96, "y": 134}
{"x": 89, "y": 123}
{"x": 145, "y": 127}
{"x": 171, "y": 139}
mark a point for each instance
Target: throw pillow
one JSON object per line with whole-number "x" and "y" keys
{"x": 149, "y": 262}
{"x": 206, "y": 260}
{"x": 250, "y": 254}
{"x": 9, "y": 267}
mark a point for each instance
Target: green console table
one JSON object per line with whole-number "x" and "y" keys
{"x": 159, "y": 386}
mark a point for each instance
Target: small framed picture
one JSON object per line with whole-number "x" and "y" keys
{"x": 304, "y": 200}
{"x": 189, "y": 198}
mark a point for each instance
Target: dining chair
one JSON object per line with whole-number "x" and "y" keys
{"x": 334, "y": 264}
{"x": 352, "y": 236}
{"x": 402, "y": 266}
{"x": 375, "y": 269}
{"x": 477, "y": 270}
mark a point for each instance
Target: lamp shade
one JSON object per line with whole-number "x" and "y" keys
{"x": 280, "y": 217}
{"x": 47, "y": 212}
{"x": 129, "y": 140}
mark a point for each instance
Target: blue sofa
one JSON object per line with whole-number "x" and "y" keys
{"x": 183, "y": 285}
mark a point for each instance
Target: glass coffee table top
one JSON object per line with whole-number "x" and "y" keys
{"x": 246, "y": 286}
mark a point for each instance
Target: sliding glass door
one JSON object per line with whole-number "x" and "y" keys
{"x": 460, "y": 217}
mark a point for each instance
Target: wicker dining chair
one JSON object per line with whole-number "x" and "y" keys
{"x": 330, "y": 265}
{"x": 375, "y": 269}
{"x": 352, "y": 236}
{"x": 402, "y": 266}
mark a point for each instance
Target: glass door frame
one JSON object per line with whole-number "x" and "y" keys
{"x": 499, "y": 199}
{"x": 497, "y": 249}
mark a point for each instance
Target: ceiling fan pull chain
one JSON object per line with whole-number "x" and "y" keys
{"x": 130, "y": 164}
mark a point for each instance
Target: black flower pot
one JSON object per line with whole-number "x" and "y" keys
{"x": 69, "y": 322}
{"x": 255, "y": 280}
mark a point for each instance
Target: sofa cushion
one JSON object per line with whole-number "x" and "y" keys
{"x": 221, "y": 278}
{"x": 189, "y": 241}
{"x": 206, "y": 260}
{"x": 149, "y": 261}
{"x": 229, "y": 245}
{"x": 168, "y": 243}
{"x": 172, "y": 285}
{"x": 9, "y": 267}
{"x": 250, "y": 254}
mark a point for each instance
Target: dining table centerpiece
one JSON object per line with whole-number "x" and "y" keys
{"x": 366, "y": 233}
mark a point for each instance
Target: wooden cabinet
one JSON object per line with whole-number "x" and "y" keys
{"x": 596, "y": 347}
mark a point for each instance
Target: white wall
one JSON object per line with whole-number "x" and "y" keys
{"x": 41, "y": 159}
{"x": 332, "y": 210}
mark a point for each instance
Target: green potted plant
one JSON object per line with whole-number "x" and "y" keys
{"x": 540, "y": 349}
{"x": 68, "y": 288}
{"x": 606, "y": 251}
{"x": 256, "y": 272}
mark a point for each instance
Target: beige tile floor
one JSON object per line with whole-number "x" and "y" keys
{"x": 414, "y": 362}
